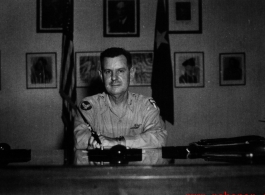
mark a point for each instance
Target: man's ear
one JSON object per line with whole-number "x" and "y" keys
{"x": 100, "y": 75}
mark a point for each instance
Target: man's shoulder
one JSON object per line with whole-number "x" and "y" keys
{"x": 93, "y": 101}
{"x": 143, "y": 100}
{"x": 139, "y": 97}
{"x": 96, "y": 97}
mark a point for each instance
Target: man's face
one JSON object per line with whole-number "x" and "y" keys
{"x": 190, "y": 70}
{"x": 121, "y": 10}
{"x": 116, "y": 75}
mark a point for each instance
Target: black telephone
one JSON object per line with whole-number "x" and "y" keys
{"x": 8, "y": 155}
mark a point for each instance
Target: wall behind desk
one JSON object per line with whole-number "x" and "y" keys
{"x": 31, "y": 118}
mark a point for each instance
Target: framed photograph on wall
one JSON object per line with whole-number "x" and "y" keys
{"x": 185, "y": 16}
{"x": 232, "y": 69}
{"x": 50, "y": 16}
{"x": 121, "y": 18}
{"x": 41, "y": 70}
{"x": 87, "y": 67}
{"x": 189, "y": 69}
{"x": 142, "y": 61}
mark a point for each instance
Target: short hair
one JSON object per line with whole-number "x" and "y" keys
{"x": 114, "y": 52}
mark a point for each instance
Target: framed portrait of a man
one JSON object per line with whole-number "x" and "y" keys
{"x": 41, "y": 70}
{"x": 121, "y": 18}
{"x": 50, "y": 16}
{"x": 185, "y": 16}
{"x": 232, "y": 69}
{"x": 189, "y": 69}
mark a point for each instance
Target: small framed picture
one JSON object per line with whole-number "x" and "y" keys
{"x": 185, "y": 16}
{"x": 41, "y": 70}
{"x": 87, "y": 68}
{"x": 50, "y": 16}
{"x": 232, "y": 69}
{"x": 121, "y": 18}
{"x": 189, "y": 69}
{"x": 142, "y": 61}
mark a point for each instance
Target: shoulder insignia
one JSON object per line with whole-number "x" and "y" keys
{"x": 101, "y": 96}
{"x": 85, "y": 105}
{"x": 153, "y": 102}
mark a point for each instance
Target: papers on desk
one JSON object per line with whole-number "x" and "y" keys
{"x": 243, "y": 149}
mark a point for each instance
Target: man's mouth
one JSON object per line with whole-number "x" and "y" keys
{"x": 115, "y": 84}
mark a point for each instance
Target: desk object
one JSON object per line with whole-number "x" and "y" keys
{"x": 116, "y": 155}
{"x": 243, "y": 149}
{"x": 8, "y": 155}
{"x": 135, "y": 157}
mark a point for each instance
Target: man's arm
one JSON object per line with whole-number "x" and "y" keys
{"x": 81, "y": 131}
{"x": 154, "y": 134}
{"x": 81, "y": 134}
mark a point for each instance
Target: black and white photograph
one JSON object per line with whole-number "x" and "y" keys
{"x": 121, "y": 18}
{"x": 232, "y": 69}
{"x": 41, "y": 70}
{"x": 50, "y": 16}
{"x": 185, "y": 16}
{"x": 142, "y": 62}
{"x": 189, "y": 69}
{"x": 87, "y": 68}
{"x": 132, "y": 97}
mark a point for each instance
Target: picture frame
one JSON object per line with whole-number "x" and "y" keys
{"x": 142, "y": 62}
{"x": 41, "y": 70}
{"x": 127, "y": 12}
{"x": 184, "y": 16}
{"x": 232, "y": 69}
{"x": 50, "y": 16}
{"x": 87, "y": 67}
{"x": 189, "y": 69}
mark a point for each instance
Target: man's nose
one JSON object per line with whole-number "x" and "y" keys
{"x": 114, "y": 76}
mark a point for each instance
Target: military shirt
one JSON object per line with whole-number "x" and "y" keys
{"x": 140, "y": 125}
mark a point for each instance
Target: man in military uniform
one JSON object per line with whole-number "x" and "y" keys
{"x": 119, "y": 116}
{"x": 191, "y": 71}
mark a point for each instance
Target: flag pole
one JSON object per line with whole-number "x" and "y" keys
{"x": 68, "y": 81}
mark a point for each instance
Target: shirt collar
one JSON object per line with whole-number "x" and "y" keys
{"x": 131, "y": 101}
{"x": 104, "y": 101}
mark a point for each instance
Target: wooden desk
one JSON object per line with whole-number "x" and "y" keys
{"x": 185, "y": 176}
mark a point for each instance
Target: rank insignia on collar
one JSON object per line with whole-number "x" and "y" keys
{"x": 85, "y": 105}
{"x": 153, "y": 102}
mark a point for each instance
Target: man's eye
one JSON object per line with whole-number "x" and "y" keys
{"x": 106, "y": 72}
{"x": 121, "y": 71}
